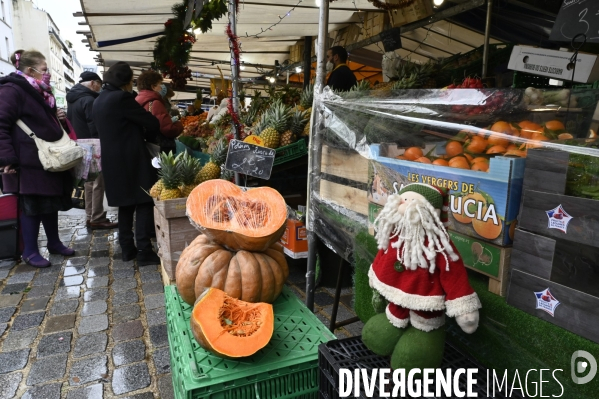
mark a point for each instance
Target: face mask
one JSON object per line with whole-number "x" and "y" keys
{"x": 329, "y": 66}
{"x": 163, "y": 90}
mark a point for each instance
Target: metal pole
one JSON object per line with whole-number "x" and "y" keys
{"x": 487, "y": 34}
{"x": 307, "y": 60}
{"x": 234, "y": 76}
{"x": 315, "y": 148}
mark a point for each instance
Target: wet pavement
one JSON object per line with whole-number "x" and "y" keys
{"x": 92, "y": 326}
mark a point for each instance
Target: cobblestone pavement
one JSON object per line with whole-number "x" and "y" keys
{"x": 92, "y": 326}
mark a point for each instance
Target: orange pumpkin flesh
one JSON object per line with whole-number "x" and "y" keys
{"x": 252, "y": 220}
{"x": 229, "y": 327}
{"x": 249, "y": 276}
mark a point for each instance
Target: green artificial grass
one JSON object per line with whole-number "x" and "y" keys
{"x": 507, "y": 338}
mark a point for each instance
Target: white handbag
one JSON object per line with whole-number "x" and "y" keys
{"x": 55, "y": 156}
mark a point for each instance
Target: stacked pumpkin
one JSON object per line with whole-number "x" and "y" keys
{"x": 233, "y": 271}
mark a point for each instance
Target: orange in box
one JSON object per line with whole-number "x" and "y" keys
{"x": 295, "y": 239}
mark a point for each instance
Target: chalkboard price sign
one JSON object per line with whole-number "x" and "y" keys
{"x": 576, "y": 17}
{"x": 391, "y": 39}
{"x": 250, "y": 159}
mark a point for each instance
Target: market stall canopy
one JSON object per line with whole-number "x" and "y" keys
{"x": 116, "y": 22}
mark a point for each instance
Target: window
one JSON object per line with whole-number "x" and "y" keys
{"x": 7, "y": 47}
{"x": 2, "y": 5}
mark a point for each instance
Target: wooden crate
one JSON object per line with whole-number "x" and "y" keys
{"x": 171, "y": 208}
{"x": 166, "y": 278}
{"x": 418, "y": 10}
{"x": 564, "y": 259}
{"x": 172, "y": 235}
{"x": 577, "y": 311}
{"x": 544, "y": 190}
{"x": 296, "y": 53}
{"x": 344, "y": 178}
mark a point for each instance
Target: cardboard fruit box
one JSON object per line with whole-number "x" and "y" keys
{"x": 483, "y": 205}
{"x": 295, "y": 239}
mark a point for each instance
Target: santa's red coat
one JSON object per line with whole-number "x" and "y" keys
{"x": 444, "y": 289}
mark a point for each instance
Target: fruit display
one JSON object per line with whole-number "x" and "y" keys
{"x": 229, "y": 327}
{"x": 251, "y": 220}
{"x": 179, "y": 175}
{"x": 248, "y": 276}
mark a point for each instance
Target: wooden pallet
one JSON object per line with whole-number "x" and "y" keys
{"x": 344, "y": 179}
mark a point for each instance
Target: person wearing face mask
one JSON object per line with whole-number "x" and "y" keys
{"x": 81, "y": 104}
{"x": 124, "y": 128}
{"x": 152, "y": 93}
{"x": 341, "y": 78}
{"x": 26, "y": 94}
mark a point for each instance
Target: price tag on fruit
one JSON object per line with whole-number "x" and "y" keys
{"x": 253, "y": 139}
{"x": 250, "y": 159}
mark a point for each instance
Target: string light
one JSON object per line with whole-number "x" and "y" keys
{"x": 262, "y": 30}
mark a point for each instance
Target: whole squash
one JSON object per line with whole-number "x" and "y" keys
{"x": 229, "y": 327}
{"x": 252, "y": 220}
{"x": 244, "y": 275}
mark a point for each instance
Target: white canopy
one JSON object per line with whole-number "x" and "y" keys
{"x": 117, "y": 19}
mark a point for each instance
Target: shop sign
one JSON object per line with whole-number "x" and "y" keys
{"x": 558, "y": 219}
{"x": 546, "y": 301}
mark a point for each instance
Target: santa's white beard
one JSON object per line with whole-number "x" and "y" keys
{"x": 412, "y": 229}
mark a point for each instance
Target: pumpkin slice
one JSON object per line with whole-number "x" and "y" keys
{"x": 245, "y": 275}
{"x": 229, "y": 327}
{"x": 251, "y": 220}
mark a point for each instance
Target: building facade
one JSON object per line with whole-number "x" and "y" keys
{"x": 35, "y": 29}
{"x": 7, "y": 46}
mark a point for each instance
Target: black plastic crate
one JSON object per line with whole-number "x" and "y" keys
{"x": 351, "y": 353}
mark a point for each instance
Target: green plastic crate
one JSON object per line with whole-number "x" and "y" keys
{"x": 286, "y": 368}
{"x": 291, "y": 152}
{"x": 180, "y": 147}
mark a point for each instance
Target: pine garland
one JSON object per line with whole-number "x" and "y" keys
{"x": 172, "y": 51}
{"x": 234, "y": 45}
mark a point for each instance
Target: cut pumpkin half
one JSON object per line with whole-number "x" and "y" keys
{"x": 251, "y": 220}
{"x": 229, "y": 327}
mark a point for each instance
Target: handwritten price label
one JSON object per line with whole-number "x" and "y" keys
{"x": 250, "y": 159}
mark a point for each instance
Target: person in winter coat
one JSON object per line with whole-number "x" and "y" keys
{"x": 81, "y": 104}
{"x": 27, "y": 95}
{"x": 152, "y": 93}
{"x": 125, "y": 128}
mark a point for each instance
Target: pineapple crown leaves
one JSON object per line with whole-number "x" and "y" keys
{"x": 189, "y": 168}
{"x": 219, "y": 155}
{"x": 299, "y": 119}
{"x": 170, "y": 171}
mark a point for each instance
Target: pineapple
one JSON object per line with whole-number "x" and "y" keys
{"x": 226, "y": 174}
{"x": 306, "y": 131}
{"x": 212, "y": 169}
{"x": 299, "y": 119}
{"x": 170, "y": 176}
{"x": 156, "y": 189}
{"x": 271, "y": 138}
{"x": 287, "y": 138}
{"x": 189, "y": 167}
{"x": 277, "y": 120}
{"x": 307, "y": 97}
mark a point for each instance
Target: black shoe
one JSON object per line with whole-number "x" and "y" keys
{"x": 129, "y": 254}
{"x": 147, "y": 257}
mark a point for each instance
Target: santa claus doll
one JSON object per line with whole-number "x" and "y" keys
{"x": 421, "y": 275}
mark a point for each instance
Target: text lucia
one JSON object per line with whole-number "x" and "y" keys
{"x": 460, "y": 383}
{"x": 458, "y": 204}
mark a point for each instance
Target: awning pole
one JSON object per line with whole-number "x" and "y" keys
{"x": 487, "y": 34}
{"x": 307, "y": 60}
{"x": 234, "y": 75}
{"x": 314, "y": 152}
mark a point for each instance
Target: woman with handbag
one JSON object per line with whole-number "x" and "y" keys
{"x": 125, "y": 128}
{"x": 152, "y": 94}
{"x": 26, "y": 96}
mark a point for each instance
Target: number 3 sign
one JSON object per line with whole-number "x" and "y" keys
{"x": 577, "y": 17}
